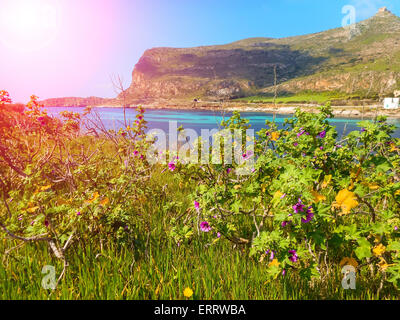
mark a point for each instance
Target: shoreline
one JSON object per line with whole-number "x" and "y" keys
{"x": 367, "y": 111}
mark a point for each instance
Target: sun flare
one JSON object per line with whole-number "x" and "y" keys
{"x": 28, "y": 25}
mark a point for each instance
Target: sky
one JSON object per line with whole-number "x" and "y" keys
{"x": 62, "y": 48}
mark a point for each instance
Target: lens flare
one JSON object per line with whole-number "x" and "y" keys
{"x": 28, "y": 25}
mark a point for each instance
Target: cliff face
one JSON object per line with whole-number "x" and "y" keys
{"x": 363, "y": 58}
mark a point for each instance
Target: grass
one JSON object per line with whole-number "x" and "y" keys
{"x": 302, "y": 97}
{"x": 162, "y": 271}
{"x": 216, "y": 272}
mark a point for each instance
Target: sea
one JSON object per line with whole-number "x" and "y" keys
{"x": 113, "y": 118}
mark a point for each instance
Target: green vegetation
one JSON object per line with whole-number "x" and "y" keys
{"x": 302, "y": 97}
{"x": 278, "y": 224}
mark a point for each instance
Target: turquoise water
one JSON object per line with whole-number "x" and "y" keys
{"x": 113, "y": 118}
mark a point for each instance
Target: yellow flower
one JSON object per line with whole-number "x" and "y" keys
{"x": 274, "y": 136}
{"x": 94, "y": 197}
{"x": 346, "y": 261}
{"x": 393, "y": 147}
{"x": 274, "y": 263}
{"x": 278, "y": 195}
{"x": 32, "y": 209}
{"x": 237, "y": 187}
{"x": 397, "y": 193}
{"x": 104, "y": 202}
{"x": 383, "y": 265}
{"x": 188, "y": 292}
{"x": 373, "y": 186}
{"x": 346, "y": 200}
{"x": 45, "y": 188}
{"x": 327, "y": 181}
{"x": 379, "y": 250}
{"x": 317, "y": 197}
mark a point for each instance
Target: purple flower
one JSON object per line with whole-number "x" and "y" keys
{"x": 78, "y": 213}
{"x": 284, "y": 195}
{"x": 298, "y": 207}
{"x": 218, "y": 235}
{"x": 363, "y": 129}
{"x": 272, "y": 256}
{"x": 19, "y": 218}
{"x": 196, "y": 205}
{"x": 135, "y": 152}
{"x": 309, "y": 216}
{"x": 171, "y": 166}
{"x": 296, "y": 144}
{"x": 322, "y": 134}
{"x": 284, "y": 223}
{"x": 294, "y": 257}
{"x": 338, "y": 146}
{"x": 321, "y": 148}
{"x": 283, "y": 272}
{"x": 396, "y": 228}
{"x": 46, "y": 223}
{"x": 205, "y": 227}
{"x": 301, "y": 132}
{"x": 228, "y": 171}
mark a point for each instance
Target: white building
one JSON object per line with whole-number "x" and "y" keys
{"x": 391, "y": 103}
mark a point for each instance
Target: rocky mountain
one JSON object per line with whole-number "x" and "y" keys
{"x": 363, "y": 58}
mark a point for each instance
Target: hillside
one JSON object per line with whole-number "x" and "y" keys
{"x": 365, "y": 60}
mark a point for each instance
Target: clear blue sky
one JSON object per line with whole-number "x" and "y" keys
{"x": 104, "y": 37}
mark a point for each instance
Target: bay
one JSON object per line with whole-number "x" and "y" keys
{"x": 113, "y": 118}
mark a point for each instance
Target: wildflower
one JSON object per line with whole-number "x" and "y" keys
{"x": 33, "y": 222}
{"x": 274, "y": 136}
{"x": 205, "y": 227}
{"x": 322, "y": 134}
{"x": 196, "y": 205}
{"x": 283, "y": 272}
{"x": 46, "y": 223}
{"x": 294, "y": 257}
{"x": 218, "y": 234}
{"x": 78, "y": 213}
{"x": 379, "y": 250}
{"x": 19, "y": 218}
{"x": 309, "y": 216}
{"x": 396, "y": 228}
{"x": 346, "y": 200}
{"x": 301, "y": 132}
{"x": 296, "y": 144}
{"x": 363, "y": 130}
{"x": 298, "y": 207}
{"x": 284, "y": 223}
{"x": 188, "y": 292}
{"x": 274, "y": 263}
{"x": 272, "y": 256}
{"x": 228, "y": 171}
{"x": 317, "y": 197}
{"x": 135, "y": 152}
{"x": 171, "y": 166}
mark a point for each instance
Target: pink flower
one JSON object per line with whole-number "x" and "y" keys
{"x": 218, "y": 235}
{"x": 228, "y": 171}
{"x": 135, "y": 152}
{"x": 196, "y": 205}
{"x": 294, "y": 257}
{"x": 205, "y": 227}
{"x": 78, "y": 213}
{"x": 171, "y": 166}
